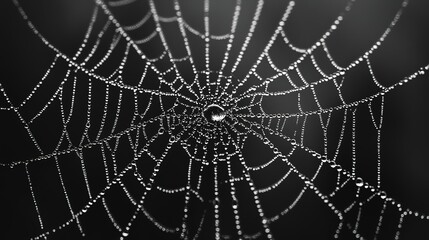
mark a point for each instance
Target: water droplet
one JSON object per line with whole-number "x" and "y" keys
{"x": 214, "y": 113}
{"x": 359, "y": 182}
{"x": 234, "y": 203}
{"x": 161, "y": 131}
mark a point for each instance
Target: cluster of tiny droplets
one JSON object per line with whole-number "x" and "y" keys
{"x": 181, "y": 126}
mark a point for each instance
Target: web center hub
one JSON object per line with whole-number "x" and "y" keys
{"x": 214, "y": 113}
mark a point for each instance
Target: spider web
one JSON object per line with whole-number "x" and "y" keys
{"x": 133, "y": 155}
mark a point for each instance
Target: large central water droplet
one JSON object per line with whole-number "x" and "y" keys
{"x": 214, "y": 113}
